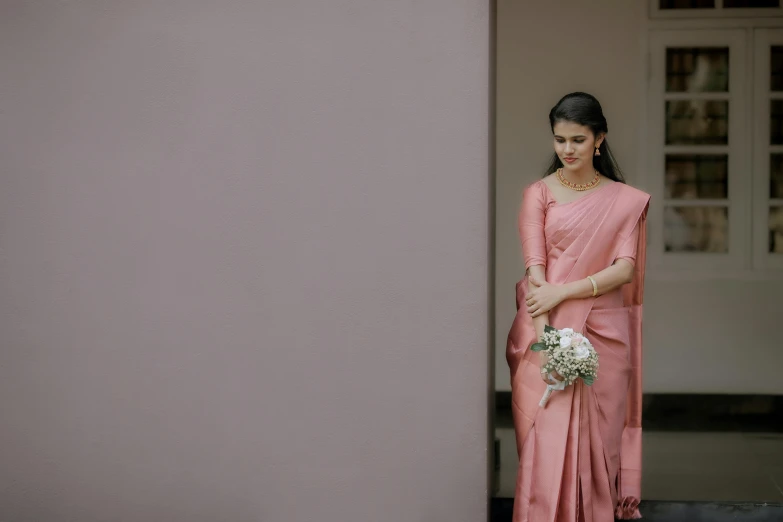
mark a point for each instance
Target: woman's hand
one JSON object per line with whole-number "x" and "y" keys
{"x": 544, "y": 298}
{"x": 546, "y": 379}
{"x": 544, "y": 374}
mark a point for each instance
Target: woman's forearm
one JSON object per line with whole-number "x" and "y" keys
{"x": 540, "y": 321}
{"x": 615, "y": 276}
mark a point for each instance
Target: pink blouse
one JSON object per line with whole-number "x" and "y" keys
{"x": 537, "y": 202}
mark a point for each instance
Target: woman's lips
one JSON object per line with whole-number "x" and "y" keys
{"x": 569, "y": 160}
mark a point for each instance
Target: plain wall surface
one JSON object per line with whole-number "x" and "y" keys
{"x": 701, "y": 335}
{"x": 244, "y": 260}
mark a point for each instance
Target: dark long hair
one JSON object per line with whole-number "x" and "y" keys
{"x": 584, "y": 109}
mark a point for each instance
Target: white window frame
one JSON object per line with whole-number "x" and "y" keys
{"x": 739, "y": 250}
{"x": 763, "y": 39}
{"x": 714, "y": 12}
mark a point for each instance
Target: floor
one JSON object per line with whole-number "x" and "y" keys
{"x": 662, "y": 511}
{"x": 688, "y": 466}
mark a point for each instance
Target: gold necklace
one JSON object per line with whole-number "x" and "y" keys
{"x": 579, "y": 187}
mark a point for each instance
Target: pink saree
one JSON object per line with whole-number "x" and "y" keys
{"x": 580, "y": 456}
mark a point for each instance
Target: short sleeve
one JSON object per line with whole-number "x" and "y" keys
{"x": 629, "y": 246}
{"x": 531, "y": 225}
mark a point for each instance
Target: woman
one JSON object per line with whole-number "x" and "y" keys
{"x": 583, "y": 237}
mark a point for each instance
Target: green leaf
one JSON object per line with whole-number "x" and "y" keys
{"x": 589, "y": 380}
{"x": 537, "y": 347}
{"x": 549, "y": 329}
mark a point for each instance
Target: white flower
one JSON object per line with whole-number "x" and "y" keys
{"x": 581, "y": 352}
{"x": 567, "y": 331}
{"x": 565, "y": 342}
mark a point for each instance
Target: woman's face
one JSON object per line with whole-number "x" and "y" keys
{"x": 575, "y": 145}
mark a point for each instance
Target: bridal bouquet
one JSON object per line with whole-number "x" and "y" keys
{"x": 569, "y": 354}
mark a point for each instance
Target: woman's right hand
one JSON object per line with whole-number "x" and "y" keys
{"x": 544, "y": 374}
{"x": 546, "y": 379}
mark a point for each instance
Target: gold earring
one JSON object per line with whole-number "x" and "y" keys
{"x": 597, "y": 152}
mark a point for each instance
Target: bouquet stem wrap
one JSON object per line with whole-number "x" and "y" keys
{"x": 560, "y": 386}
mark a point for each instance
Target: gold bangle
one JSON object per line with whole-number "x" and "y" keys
{"x": 595, "y": 286}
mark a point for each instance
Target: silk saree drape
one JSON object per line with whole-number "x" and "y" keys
{"x": 580, "y": 456}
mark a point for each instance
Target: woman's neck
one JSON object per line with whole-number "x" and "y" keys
{"x": 581, "y": 175}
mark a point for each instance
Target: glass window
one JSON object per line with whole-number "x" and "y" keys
{"x": 697, "y": 176}
{"x": 776, "y": 230}
{"x": 776, "y": 68}
{"x": 687, "y": 4}
{"x": 776, "y": 176}
{"x": 699, "y": 69}
{"x": 696, "y": 229}
{"x": 776, "y": 122}
{"x": 750, "y": 3}
{"x": 697, "y": 122}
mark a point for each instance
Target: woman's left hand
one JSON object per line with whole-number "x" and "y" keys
{"x": 544, "y": 298}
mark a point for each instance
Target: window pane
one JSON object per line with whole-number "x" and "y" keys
{"x": 697, "y": 122}
{"x": 686, "y": 4}
{"x": 697, "y": 69}
{"x": 776, "y": 230}
{"x": 751, "y": 3}
{"x": 776, "y": 122}
{"x": 776, "y": 68}
{"x": 696, "y": 229}
{"x": 776, "y": 176}
{"x": 697, "y": 176}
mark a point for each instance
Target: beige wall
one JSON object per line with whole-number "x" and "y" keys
{"x": 244, "y": 260}
{"x": 706, "y": 335}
